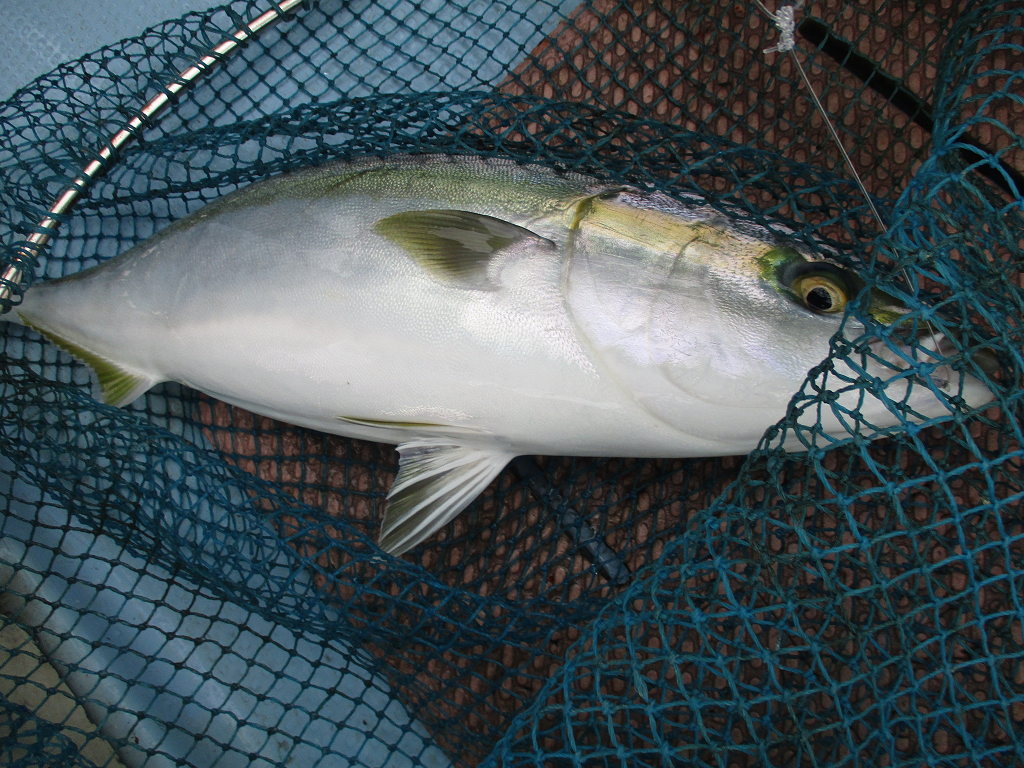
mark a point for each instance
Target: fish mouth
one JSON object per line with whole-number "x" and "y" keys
{"x": 932, "y": 349}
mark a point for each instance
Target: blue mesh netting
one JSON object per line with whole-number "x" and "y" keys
{"x": 200, "y": 586}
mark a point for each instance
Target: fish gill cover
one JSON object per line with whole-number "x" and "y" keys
{"x": 859, "y": 603}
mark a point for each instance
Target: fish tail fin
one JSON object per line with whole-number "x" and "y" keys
{"x": 119, "y": 384}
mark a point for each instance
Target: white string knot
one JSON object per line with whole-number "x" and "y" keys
{"x": 785, "y": 22}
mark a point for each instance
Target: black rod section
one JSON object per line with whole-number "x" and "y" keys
{"x": 608, "y": 562}
{"x": 1006, "y": 177}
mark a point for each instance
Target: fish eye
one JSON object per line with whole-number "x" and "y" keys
{"x": 822, "y": 294}
{"x": 820, "y": 286}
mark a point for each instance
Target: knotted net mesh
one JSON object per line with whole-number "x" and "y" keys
{"x": 189, "y": 584}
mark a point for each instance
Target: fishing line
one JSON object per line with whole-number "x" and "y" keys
{"x": 785, "y": 21}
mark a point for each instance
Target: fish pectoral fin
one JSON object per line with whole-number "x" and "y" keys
{"x": 437, "y": 478}
{"x": 456, "y": 247}
{"x": 119, "y": 385}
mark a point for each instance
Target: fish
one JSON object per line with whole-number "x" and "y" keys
{"x": 470, "y": 310}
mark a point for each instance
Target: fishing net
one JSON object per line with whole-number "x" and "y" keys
{"x": 189, "y": 584}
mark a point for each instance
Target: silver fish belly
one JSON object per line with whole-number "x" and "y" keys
{"x": 468, "y": 310}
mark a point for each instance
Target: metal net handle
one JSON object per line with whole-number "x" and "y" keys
{"x": 12, "y": 277}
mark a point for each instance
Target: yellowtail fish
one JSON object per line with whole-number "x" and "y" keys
{"x": 471, "y": 310}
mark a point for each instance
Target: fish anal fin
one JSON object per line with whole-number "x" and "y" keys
{"x": 119, "y": 385}
{"x": 456, "y": 247}
{"x": 437, "y": 479}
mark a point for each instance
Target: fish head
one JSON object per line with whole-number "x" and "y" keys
{"x": 888, "y": 369}
{"x": 713, "y": 325}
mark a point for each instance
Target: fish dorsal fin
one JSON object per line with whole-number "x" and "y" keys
{"x": 456, "y": 247}
{"x": 437, "y": 479}
{"x": 119, "y": 385}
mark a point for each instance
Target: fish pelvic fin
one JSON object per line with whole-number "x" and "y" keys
{"x": 118, "y": 384}
{"x": 457, "y": 247}
{"x": 437, "y": 479}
